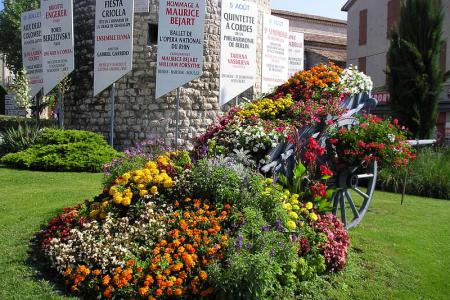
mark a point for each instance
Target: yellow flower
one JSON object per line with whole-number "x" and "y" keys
{"x": 151, "y": 165}
{"x": 313, "y": 216}
{"x": 293, "y": 215}
{"x": 154, "y": 190}
{"x": 141, "y": 186}
{"x": 143, "y": 193}
{"x": 126, "y": 201}
{"x": 295, "y": 207}
{"x": 309, "y": 205}
{"x": 268, "y": 181}
{"x": 105, "y": 204}
{"x": 168, "y": 183}
{"x": 93, "y": 213}
{"x": 287, "y": 206}
{"x": 291, "y": 225}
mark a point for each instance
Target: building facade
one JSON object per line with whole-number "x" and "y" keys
{"x": 368, "y": 26}
{"x": 325, "y": 38}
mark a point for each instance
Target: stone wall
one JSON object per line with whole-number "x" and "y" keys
{"x": 139, "y": 116}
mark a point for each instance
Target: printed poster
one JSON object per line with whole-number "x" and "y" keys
{"x": 238, "y": 48}
{"x": 275, "y": 57}
{"x": 113, "y": 56}
{"x": 180, "y": 44}
{"x": 32, "y": 49}
{"x": 296, "y": 52}
{"x": 57, "y": 42}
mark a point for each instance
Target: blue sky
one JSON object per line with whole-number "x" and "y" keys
{"x": 325, "y": 8}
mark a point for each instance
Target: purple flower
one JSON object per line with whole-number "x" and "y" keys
{"x": 265, "y": 228}
{"x": 239, "y": 242}
{"x": 272, "y": 253}
{"x": 249, "y": 245}
{"x": 279, "y": 225}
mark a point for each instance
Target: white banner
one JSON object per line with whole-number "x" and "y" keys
{"x": 296, "y": 52}
{"x": 11, "y": 108}
{"x": 113, "y": 57}
{"x": 180, "y": 43}
{"x": 141, "y": 6}
{"x": 275, "y": 58}
{"x": 32, "y": 49}
{"x": 57, "y": 41}
{"x": 238, "y": 48}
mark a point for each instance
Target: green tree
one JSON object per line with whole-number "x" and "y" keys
{"x": 415, "y": 77}
{"x": 10, "y": 37}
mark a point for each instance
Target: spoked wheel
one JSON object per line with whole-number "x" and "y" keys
{"x": 355, "y": 189}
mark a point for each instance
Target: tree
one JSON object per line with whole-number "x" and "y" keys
{"x": 415, "y": 77}
{"x": 10, "y": 28}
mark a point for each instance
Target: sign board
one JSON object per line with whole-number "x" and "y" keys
{"x": 11, "y": 108}
{"x": 275, "y": 57}
{"x": 141, "y": 6}
{"x": 113, "y": 57}
{"x": 57, "y": 41}
{"x": 238, "y": 48}
{"x": 180, "y": 44}
{"x": 296, "y": 52}
{"x": 32, "y": 49}
{"x": 381, "y": 97}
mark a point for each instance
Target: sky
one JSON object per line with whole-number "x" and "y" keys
{"x": 325, "y": 8}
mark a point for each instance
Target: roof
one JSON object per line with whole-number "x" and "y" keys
{"x": 333, "y": 55}
{"x": 328, "y": 39}
{"x": 309, "y": 17}
{"x": 347, "y": 5}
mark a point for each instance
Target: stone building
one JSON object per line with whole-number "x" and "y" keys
{"x": 139, "y": 116}
{"x": 369, "y": 23}
{"x": 325, "y": 38}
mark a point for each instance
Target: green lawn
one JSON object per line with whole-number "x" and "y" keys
{"x": 398, "y": 252}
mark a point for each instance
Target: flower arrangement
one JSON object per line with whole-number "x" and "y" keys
{"x": 355, "y": 82}
{"x": 372, "y": 139}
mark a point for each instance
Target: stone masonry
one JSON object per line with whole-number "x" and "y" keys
{"x": 139, "y": 116}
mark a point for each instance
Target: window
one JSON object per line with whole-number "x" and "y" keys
{"x": 152, "y": 38}
{"x": 393, "y": 15}
{"x": 363, "y": 27}
{"x": 362, "y": 61}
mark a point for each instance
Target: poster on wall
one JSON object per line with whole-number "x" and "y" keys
{"x": 57, "y": 41}
{"x": 275, "y": 57}
{"x": 238, "y": 48}
{"x": 141, "y": 6}
{"x": 11, "y": 108}
{"x": 180, "y": 44}
{"x": 32, "y": 49}
{"x": 113, "y": 56}
{"x": 296, "y": 52}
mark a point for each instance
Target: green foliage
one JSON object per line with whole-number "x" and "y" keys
{"x": 59, "y": 150}
{"x": 415, "y": 77}
{"x": 60, "y": 137}
{"x": 12, "y": 121}
{"x": 19, "y": 138}
{"x": 428, "y": 175}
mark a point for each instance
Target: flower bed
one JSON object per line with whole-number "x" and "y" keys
{"x": 166, "y": 226}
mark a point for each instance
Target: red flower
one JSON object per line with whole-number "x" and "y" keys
{"x": 325, "y": 171}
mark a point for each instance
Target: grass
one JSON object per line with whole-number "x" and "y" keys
{"x": 398, "y": 252}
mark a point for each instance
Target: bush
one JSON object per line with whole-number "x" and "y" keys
{"x": 11, "y": 121}
{"x": 59, "y": 150}
{"x": 428, "y": 175}
{"x": 15, "y": 139}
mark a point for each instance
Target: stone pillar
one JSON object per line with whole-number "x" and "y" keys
{"x": 139, "y": 116}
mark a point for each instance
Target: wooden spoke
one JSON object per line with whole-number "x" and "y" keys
{"x": 342, "y": 204}
{"x": 352, "y": 205}
{"x": 361, "y": 193}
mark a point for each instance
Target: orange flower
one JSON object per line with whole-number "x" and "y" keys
{"x": 203, "y": 275}
{"x": 178, "y": 292}
{"x": 158, "y": 292}
{"x": 143, "y": 291}
{"x": 106, "y": 279}
{"x": 96, "y": 272}
{"x": 207, "y": 292}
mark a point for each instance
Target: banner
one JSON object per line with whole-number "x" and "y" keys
{"x": 275, "y": 57}
{"x": 113, "y": 57}
{"x": 238, "y": 48}
{"x": 141, "y": 6}
{"x": 180, "y": 43}
{"x": 296, "y": 52}
{"x": 57, "y": 41}
{"x": 32, "y": 49}
{"x": 11, "y": 108}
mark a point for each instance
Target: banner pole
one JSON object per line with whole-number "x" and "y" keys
{"x": 237, "y": 100}
{"x": 60, "y": 120}
{"x": 113, "y": 100}
{"x": 177, "y": 129}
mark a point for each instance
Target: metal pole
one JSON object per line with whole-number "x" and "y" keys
{"x": 60, "y": 120}
{"x": 113, "y": 100}
{"x": 237, "y": 100}
{"x": 404, "y": 185}
{"x": 177, "y": 129}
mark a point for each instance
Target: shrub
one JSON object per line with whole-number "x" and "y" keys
{"x": 428, "y": 175}
{"x": 58, "y": 150}
{"x": 11, "y": 121}
{"x": 15, "y": 139}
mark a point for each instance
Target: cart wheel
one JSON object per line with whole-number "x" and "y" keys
{"x": 355, "y": 189}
